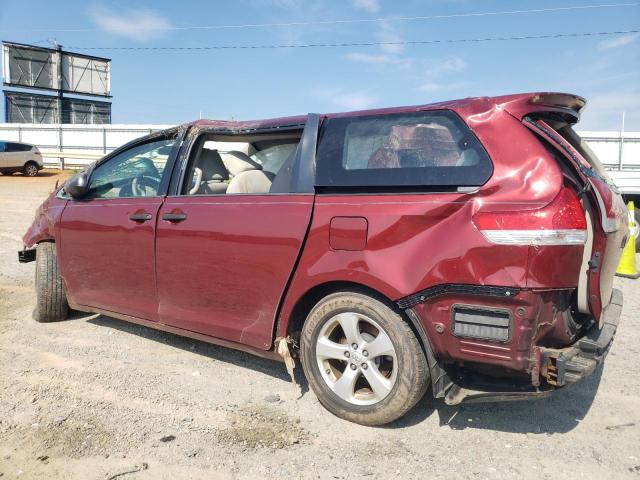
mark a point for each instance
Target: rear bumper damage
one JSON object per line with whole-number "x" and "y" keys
{"x": 552, "y": 368}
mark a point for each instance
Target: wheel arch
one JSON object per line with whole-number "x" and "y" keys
{"x": 302, "y": 307}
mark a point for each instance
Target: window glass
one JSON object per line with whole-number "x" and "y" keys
{"x": 272, "y": 158}
{"x": 2, "y": 146}
{"x": 16, "y": 147}
{"x": 220, "y": 167}
{"x": 136, "y": 172}
{"x": 413, "y": 149}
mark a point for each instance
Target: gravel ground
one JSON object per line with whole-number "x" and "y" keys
{"x": 97, "y": 398}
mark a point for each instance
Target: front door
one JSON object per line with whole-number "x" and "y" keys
{"x": 107, "y": 238}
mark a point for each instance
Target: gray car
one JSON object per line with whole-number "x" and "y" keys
{"x": 20, "y": 157}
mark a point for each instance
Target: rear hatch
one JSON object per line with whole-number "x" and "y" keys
{"x": 552, "y": 116}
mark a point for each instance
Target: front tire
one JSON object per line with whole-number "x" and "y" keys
{"x": 362, "y": 359}
{"x": 51, "y": 298}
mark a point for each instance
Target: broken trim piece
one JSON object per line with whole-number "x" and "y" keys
{"x": 285, "y": 353}
{"x": 453, "y": 289}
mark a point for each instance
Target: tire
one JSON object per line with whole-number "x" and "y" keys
{"x": 30, "y": 169}
{"x": 51, "y": 298}
{"x": 404, "y": 374}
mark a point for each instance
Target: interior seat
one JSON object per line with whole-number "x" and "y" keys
{"x": 214, "y": 173}
{"x": 247, "y": 175}
{"x": 237, "y": 162}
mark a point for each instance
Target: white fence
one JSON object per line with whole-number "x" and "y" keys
{"x": 75, "y": 146}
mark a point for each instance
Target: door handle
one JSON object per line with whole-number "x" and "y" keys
{"x": 174, "y": 217}
{"x": 140, "y": 217}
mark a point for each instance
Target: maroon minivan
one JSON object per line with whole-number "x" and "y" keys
{"x": 469, "y": 246}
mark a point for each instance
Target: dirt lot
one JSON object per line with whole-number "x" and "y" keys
{"x": 97, "y": 398}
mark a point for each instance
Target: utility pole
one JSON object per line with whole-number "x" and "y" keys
{"x": 60, "y": 101}
{"x": 621, "y": 150}
{"x": 59, "y": 49}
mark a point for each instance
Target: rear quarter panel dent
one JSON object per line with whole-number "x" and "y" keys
{"x": 416, "y": 241}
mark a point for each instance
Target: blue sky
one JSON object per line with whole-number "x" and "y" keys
{"x": 173, "y": 87}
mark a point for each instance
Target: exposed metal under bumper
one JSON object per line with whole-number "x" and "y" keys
{"x": 561, "y": 367}
{"x": 458, "y": 394}
{"x": 569, "y": 365}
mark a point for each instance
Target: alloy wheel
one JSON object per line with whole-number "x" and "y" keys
{"x": 356, "y": 358}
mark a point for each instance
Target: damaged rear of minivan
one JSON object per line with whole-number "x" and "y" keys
{"x": 559, "y": 327}
{"x": 486, "y": 225}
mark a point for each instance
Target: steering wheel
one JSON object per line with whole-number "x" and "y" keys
{"x": 144, "y": 186}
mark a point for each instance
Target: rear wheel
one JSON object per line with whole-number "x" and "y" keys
{"x": 30, "y": 169}
{"x": 362, "y": 359}
{"x": 51, "y": 298}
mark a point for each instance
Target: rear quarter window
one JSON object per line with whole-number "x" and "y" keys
{"x": 17, "y": 147}
{"x": 418, "y": 149}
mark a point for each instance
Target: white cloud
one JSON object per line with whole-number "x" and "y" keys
{"x": 368, "y": 58}
{"x": 604, "y": 111}
{"x": 367, "y": 5}
{"x": 617, "y": 42}
{"x": 347, "y": 100}
{"x": 430, "y": 87}
{"x": 134, "y": 24}
{"x": 435, "y": 86}
{"x": 380, "y": 59}
{"x": 447, "y": 65}
{"x": 439, "y": 75}
{"x": 355, "y": 100}
{"x": 388, "y": 34}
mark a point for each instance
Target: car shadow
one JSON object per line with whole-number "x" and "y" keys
{"x": 222, "y": 354}
{"x": 558, "y": 413}
{"x": 42, "y": 173}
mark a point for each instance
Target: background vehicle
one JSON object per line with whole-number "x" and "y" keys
{"x": 470, "y": 244}
{"x": 19, "y": 157}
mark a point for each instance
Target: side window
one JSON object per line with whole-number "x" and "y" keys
{"x": 136, "y": 172}
{"x": 418, "y": 149}
{"x": 16, "y": 147}
{"x": 2, "y": 146}
{"x": 225, "y": 167}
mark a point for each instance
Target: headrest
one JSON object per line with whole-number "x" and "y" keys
{"x": 211, "y": 164}
{"x": 238, "y": 162}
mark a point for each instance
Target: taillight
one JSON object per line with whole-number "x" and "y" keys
{"x": 562, "y": 222}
